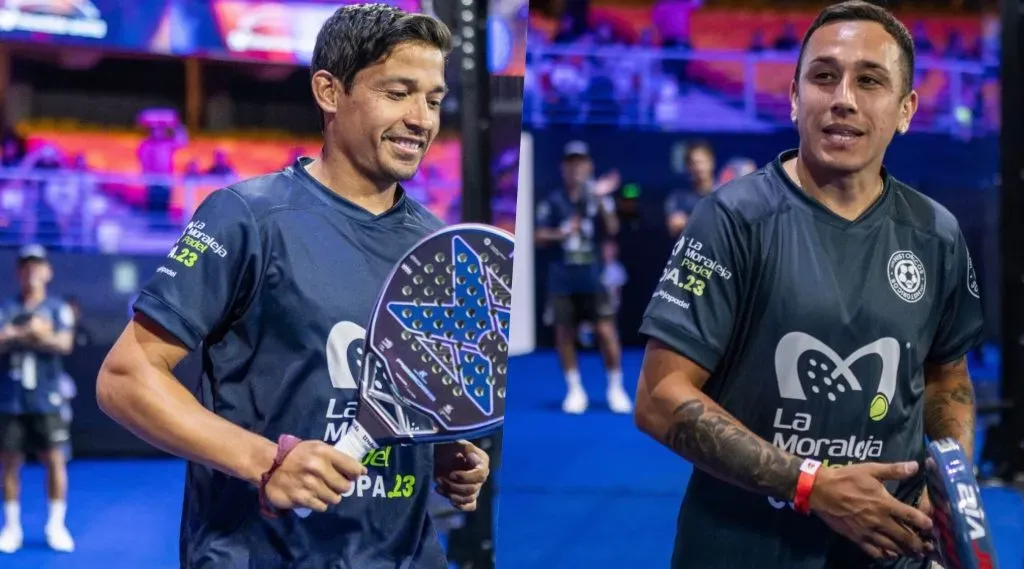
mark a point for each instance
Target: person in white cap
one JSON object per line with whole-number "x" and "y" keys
{"x": 574, "y": 221}
{"x": 36, "y": 332}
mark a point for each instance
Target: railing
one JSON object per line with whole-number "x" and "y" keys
{"x": 633, "y": 86}
{"x": 116, "y": 213}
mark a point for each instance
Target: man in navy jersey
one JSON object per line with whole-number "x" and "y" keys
{"x": 573, "y": 223}
{"x": 276, "y": 277}
{"x": 36, "y": 332}
{"x": 810, "y": 327}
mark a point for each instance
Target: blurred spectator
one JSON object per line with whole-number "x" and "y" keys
{"x": 569, "y": 29}
{"x": 923, "y": 45}
{"x": 672, "y": 18}
{"x": 191, "y": 171}
{"x": 67, "y": 194}
{"x": 604, "y": 35}
{"x": 13, "y": 147}
{"x": 955, "y": 48}
{"x": 700, "y": 166}
{"x": 156, "y": 156}
{"x": 788, "y": 40}
{"x": 221, "y": 165}
{"x": 758, "y": 43}
{"x": 46, "y": 158}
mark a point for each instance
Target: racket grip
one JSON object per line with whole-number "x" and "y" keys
{"x": 356, "y": 443}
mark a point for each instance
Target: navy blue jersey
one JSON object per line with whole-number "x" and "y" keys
{"x": 277, "y": 277}
{"x": 30, "y": 381}
{"x": 815, "y": 330}
{"x": 575, "y": 266}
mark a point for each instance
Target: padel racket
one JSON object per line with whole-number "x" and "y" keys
{"x": 435, "y": 360}
{"x": 959, "y": 522}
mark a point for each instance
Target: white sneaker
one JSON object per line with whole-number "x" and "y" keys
{"x": 618, "y": 400}
{"x": 59, "y": 539}
{"x": 575, "y": 402}
{"x": 11, "y": 539}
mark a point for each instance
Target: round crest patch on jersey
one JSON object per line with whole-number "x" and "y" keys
{"x": 906, "y": 276}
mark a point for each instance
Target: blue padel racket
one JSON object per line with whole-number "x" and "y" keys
{"x": 959, "y": 522}
{"x": 435, "y": 361}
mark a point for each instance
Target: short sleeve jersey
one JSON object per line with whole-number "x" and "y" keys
{"x": 275, "y": 278}
{"x": 815, "y": 331}
{"x": 30, "y": 383}
{"x": 575, "y": 266}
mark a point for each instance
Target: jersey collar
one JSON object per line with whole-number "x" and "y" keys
{"x": 347, "y": 207}
{"x": 799, "y": 197}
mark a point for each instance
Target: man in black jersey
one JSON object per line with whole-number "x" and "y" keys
{"x": 815, "y": 314}
{"x": 274, "y": 279}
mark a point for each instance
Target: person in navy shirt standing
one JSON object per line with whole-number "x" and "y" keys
{"x": 274, "y": 279}
{"x": 810, "y": 328}
{"x": 37, "y": 332}
{"x": 573, "y": 223}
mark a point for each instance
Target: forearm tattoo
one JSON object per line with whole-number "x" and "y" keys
{"x": 949, "y": 407}
{"x": 716, "y": 443}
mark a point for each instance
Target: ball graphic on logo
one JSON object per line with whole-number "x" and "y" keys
{"x": 879, "y": 407}
{"x": 906, "y": 275}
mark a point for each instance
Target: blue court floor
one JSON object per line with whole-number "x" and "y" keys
{"x": 577, "y": 492}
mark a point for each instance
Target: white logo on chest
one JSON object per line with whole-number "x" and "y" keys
{"x": 907, "y": 276}
{"x": 339, "y": 366}
{"x": 831, "y": 375}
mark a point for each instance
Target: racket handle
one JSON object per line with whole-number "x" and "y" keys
{"x": 356, "y": 443}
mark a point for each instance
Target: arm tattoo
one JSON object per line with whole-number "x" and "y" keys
{"x": 716, "y": 443}
{"x": 949, "y": 406}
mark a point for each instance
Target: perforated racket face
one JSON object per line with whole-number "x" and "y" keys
{"x": 441, "y": 331}
{"x": 960, "y": 524}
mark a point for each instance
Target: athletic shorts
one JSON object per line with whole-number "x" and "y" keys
{"x": 32, "y": 433}
{"x": 571, "y": 309}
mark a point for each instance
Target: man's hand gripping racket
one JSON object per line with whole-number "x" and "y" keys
{"x": 960, "y": 525}
{"x": 435, "y": 360}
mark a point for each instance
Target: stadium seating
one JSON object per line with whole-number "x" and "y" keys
{"x": 115, "y": 152}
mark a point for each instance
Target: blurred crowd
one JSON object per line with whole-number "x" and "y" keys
{"x": 80, "y": 197}
{"x": 631, "y": 66}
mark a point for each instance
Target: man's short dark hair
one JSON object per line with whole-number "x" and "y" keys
{"x": 358, "y": 36}
{"x": 860, "y": 11}
{"x": 698, "y": 144}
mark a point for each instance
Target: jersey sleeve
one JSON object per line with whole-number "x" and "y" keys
{"x": 961, "y": 327}
{"x": 697, "y": 299}
{"x": 210, "y": 273}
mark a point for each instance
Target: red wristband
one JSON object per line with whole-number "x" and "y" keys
{"x": 285, "y": 444}
{"x": 804, "y": 484}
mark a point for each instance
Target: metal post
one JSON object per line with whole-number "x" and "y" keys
{"x": 475, "y": 110}
{"x": 1008, "y": 455}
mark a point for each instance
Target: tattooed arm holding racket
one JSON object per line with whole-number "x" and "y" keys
{"x": 797, "y": 324}
{"x": 274, "y": 280}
